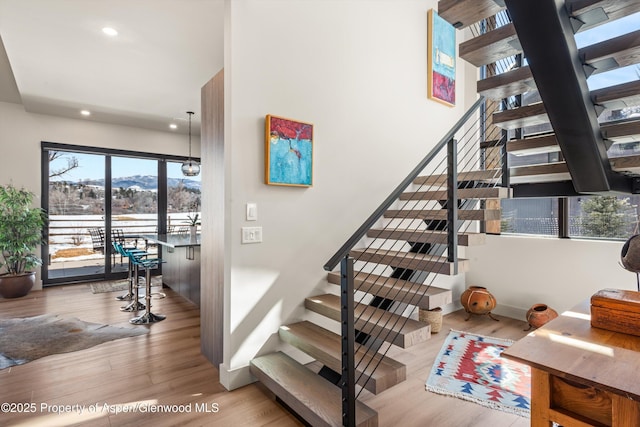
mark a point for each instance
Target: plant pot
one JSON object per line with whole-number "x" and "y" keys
{"x": 539, "y": 314}
{"x": 16, "y": 286}
{"x": 433, "y": 317}
{"x": 477, "y": 300}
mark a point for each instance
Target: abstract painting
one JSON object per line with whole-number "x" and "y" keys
{"x": 441, "y": 64}
{"x": 288, "y": 152}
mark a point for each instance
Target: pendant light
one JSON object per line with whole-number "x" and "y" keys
{"x": 190, "y": 167}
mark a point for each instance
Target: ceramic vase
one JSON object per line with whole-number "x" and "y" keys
{"x": 539, "y": 314}
{"x": 477, "y": 300}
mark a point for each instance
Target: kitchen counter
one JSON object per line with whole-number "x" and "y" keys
{"x": 181, "y": 267}
{"x": 173, "y": 240}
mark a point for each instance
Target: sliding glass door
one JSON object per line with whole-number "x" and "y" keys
{"x": 97, "y": 196}
{"x": 76, "y": 207}
{"x": 134, "y": 203}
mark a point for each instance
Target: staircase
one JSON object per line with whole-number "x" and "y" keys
{"x": 558, "y": 72}
{"x": 394, "y": 263}
{"x": 396, "y": 257}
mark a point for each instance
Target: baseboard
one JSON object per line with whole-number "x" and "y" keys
{"x": 501, "y": 310}
{"x": 232, "y": 379}
{"x": 510, "y": 311}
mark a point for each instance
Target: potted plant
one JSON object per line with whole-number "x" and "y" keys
{"x": 20, "y": 234}
{"x": 193, "y": 219}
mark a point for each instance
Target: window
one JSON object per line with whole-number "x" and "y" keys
{"x": 95, "y": 195}
{"x": 530, "y": 216}
{"x": 593, "y": 217}
{"x": 603, "y": 217}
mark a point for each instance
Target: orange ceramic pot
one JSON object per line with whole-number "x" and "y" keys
{"x": 477, "y": 300}
{"x": 539, "y": 314}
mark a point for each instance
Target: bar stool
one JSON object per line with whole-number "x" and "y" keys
{"x": 148, "y": 316}
{"x": 132, "y": 256}
{"x": 126, "y": 252}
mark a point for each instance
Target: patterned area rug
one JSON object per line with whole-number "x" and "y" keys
{"x": 103, "y": 287}
{"x": 119, "y": 285}
{"x": 25, "y": 339}
{"x": 470, "y": 367}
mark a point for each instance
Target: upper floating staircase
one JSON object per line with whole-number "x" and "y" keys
{"x": 543, "y": 33}
{"x": 394, "y": 262}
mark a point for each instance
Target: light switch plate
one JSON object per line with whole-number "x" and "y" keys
{"x": 251, "y": 235}
{"x": 252, "y": 212}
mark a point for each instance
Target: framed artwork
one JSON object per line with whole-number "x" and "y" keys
{"x": 441, "y": 64}
{"x": 288, "y": 152}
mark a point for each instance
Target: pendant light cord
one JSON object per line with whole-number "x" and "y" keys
{"x": 190, "y": 113}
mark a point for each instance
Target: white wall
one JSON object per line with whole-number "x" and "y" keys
{"x": 521, "y": 271}
{"x": 22, "y": 132}
{"x": 357, "y": 70}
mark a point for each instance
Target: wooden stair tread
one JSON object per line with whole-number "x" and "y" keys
{"x": 426, "y": 236}
{"x": 463, "y": 193}
{"x": 462, "y": 13}
{"x": 619, "y": 96}
{"x": 393, "y": 328}
{"x": 514, "y": 82}
{"x": 529, "y": 115}
{"x": 561, "y": 171}
{"x": 491, "y": 46}
{"x": 613, "y": 53}
{"x": 410, "y": 260}
{"x": 424, "y": 296}
{"x": 488, "y": 176}
{"x": 441, "y": 214}
{"x": 613, "y": 9}
{"x": 312, "y": 397}
{"x": 535, "y": 114}
{"x": 626, "y": 164}
{"x": 520, "y": 80}
{"x": 325, "y": 346}
{"x": 617, "y": 132}
{"x": 541, "y": 169}
{"x": 534, "y": 145}
{"x": 620, "y": 131}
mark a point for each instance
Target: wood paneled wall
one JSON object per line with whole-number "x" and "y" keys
{"x": 212, "y": 262}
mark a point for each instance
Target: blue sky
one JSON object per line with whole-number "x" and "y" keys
{"x": 91, "y": 166}
{"x": 607, "y": 31}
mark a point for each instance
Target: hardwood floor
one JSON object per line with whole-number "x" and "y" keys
{"x": 165, "y": 367}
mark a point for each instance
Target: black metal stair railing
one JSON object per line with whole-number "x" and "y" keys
{"x": 455, "y": 154}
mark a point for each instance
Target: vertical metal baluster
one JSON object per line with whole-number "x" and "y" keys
{"x": 348, "y": 382}
{"x": 452, "y": 203}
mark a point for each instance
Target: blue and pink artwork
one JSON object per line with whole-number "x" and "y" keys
{"x": 289, "y": 152}
{"x": 442, "y": 60}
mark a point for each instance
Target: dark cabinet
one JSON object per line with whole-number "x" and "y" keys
{"x": 181, "y": 271}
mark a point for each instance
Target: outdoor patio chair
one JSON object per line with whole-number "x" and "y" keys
{"x": 97, "y": 239}
{"x": 118, "y": 236}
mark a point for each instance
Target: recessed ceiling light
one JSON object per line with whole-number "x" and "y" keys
{"x": 173, "y": 126}
{"x": 85, "y": 112}
{"x": 110, "y": 31}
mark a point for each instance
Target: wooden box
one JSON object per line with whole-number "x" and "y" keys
{"x": 616, "y": 310}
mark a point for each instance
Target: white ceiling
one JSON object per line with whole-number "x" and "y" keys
{"x": 147, "y": 76}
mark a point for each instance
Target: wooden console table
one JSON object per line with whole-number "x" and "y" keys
{"x": 581, "y": 376}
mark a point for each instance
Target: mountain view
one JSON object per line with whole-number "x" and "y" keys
{"x": 143, "y": 182}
